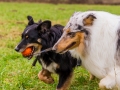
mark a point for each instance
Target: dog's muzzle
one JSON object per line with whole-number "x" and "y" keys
{"x": 17, "y": 49}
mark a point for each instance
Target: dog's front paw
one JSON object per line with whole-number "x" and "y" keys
{"x": 49, "y": 80}
{"x": 45, "y": 78}
{"x": 107, "y": 83}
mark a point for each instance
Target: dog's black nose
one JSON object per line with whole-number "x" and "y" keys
{"x": 17, "y": 49}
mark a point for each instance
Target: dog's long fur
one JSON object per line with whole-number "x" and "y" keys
{"x": 98, "y": 34}
{"x": 41, "y": 36}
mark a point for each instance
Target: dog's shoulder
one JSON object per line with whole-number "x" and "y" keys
{"x": 56, "y": 30}
{"x": 57, "y": 27}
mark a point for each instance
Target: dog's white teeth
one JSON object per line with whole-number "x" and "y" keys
{"x": 32, "y": 52}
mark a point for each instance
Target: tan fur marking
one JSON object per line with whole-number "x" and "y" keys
{"x": 81, "y": 45}
{"x": 33, "y": 44}
{"x": 39, "y": 40}
{"x": 45, "y": 76}
{"x": 37, "y": 46}
{"x": 26, "y": 36}
{"x": 68, "y": 30}
{"x": 67, "y": 83}
{"x": 88, "y": 21}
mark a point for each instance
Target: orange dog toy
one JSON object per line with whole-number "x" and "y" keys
{"x": 27, "y": 51}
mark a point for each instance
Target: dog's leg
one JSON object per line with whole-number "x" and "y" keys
{"x": 107, "y": 83}
{"x": 118, "y": 80}
{"x": 45, "y": 76}
{"x": 92, "y": 77}
{"x": 64, "y": 80}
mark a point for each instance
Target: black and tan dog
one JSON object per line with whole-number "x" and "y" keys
{"x": 40, "y": 36}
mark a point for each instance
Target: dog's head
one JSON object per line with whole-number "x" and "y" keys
{"x": 31, "y": 36}
{"x": 74, "y": 32}
{"x": 68, "y": 41}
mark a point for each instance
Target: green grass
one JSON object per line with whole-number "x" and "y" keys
{"x": 15, "y": 71}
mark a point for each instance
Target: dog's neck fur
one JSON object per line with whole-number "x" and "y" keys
{"x": 52, "y": 36}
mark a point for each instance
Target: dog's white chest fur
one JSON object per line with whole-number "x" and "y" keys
{"x": 101, "y": 51}
{"x": 51, "y": 68}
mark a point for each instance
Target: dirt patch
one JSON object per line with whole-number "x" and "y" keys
{"x": 13, "y": 34}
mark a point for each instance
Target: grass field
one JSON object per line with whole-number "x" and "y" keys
{"x": 15, "y": 71}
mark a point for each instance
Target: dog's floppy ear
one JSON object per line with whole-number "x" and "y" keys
{"x": 88, "y": 21}
{"x": 44, "y": 26}
{"x": 30, "y": 20}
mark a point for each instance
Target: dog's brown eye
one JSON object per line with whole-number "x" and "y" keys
{"x": 71, "y": 34}
{"x": 26, "y": 37}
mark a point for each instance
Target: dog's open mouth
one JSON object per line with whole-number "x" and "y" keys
{"x": 69, "y": 46}
{"x": 28, "y": 52}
